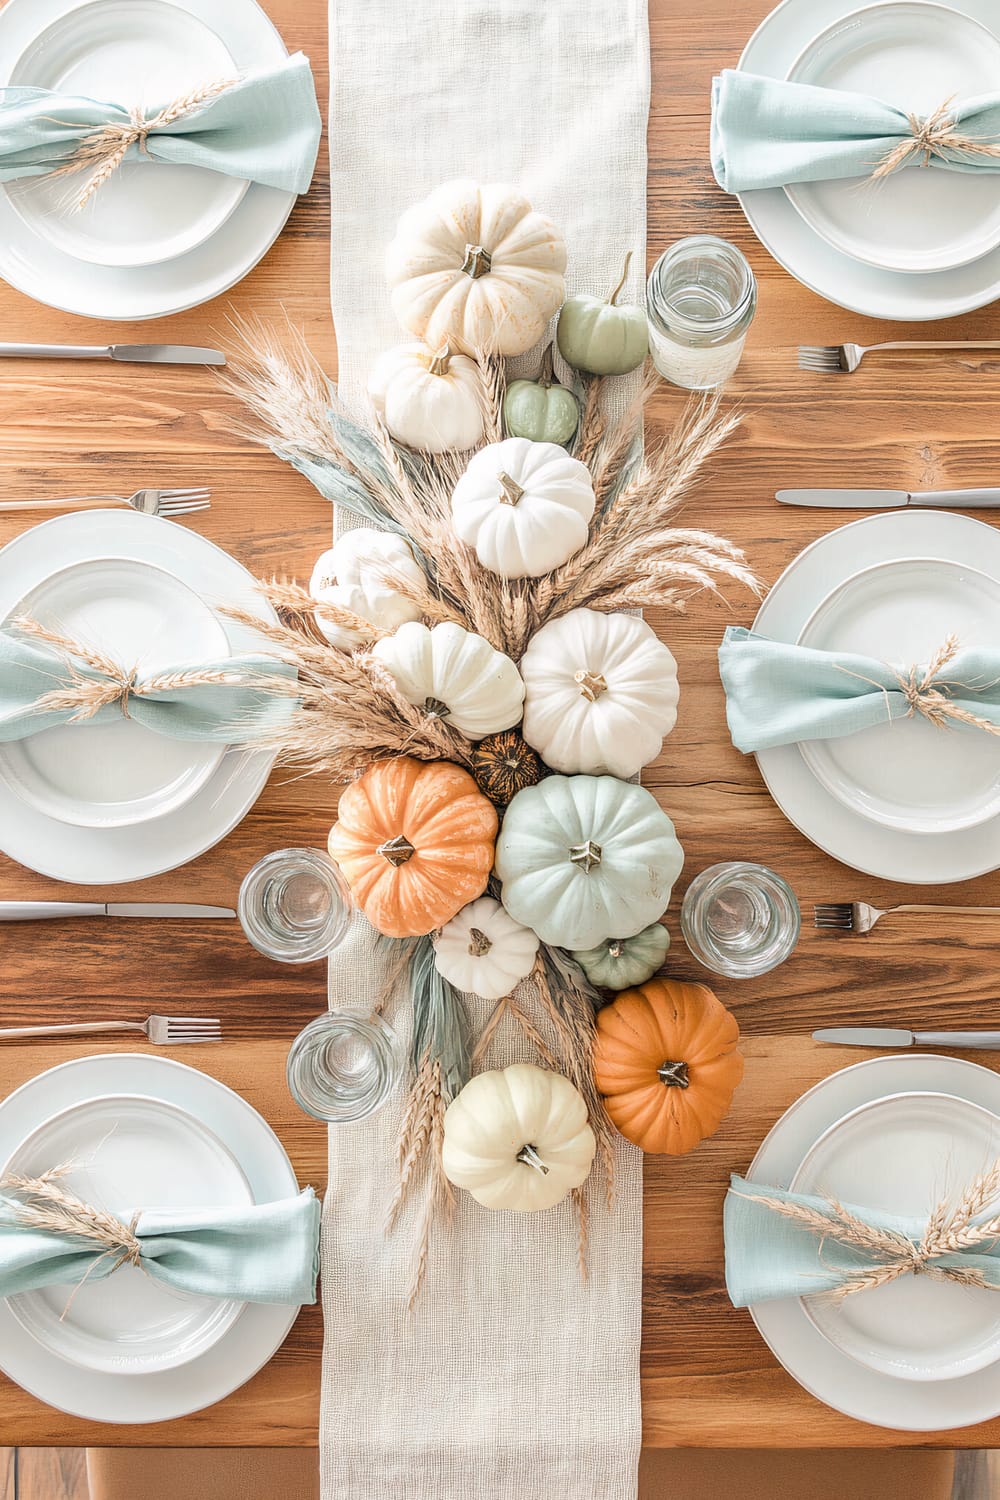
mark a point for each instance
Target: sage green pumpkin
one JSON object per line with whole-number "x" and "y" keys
{"x": 619, "y": 963}
{"x": 541, "y": 409}
{"x": 602, "y": 338}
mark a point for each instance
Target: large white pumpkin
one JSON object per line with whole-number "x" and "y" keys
{"x": 525, "y": 507}
{"x": 600, "y": 692}
{"x": 483, "y": 951}
{"x": 355, "y": 573}
{"x": 456, "y": 675}
{"x": 433, "y": 402}
{"x": 477, "y": 266}
{"x": 518, "y": 1138}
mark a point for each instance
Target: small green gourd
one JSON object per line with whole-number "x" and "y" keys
{"x": 541, "y": 409}
{"x": 620, "y": 963}
{"x": 601, "y": 338}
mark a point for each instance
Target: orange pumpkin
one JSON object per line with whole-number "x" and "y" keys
{"x": 415, "y": 842}
{"x": 665, "y": 1060}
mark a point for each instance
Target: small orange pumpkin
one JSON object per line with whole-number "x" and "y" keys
{"x": 415, "y": 842}
{"x": 666, "y": 1063}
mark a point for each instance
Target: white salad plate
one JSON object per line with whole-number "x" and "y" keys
{"x": 819, "y": 1366}
{"x": 906, "y": 773}
{"x": 126, "y": 1153}
{"x": 916, "y": 56}
{"x": 260, "y": 1330}
{"x": 46, "y": 272}
{"x": 132, "y": 52}
{"x": 915, "y": 296}
{"x": 101, "y": 856}
{"x": 105, "y": 775}
{"x": 903, "y": 1156}
{"x": 845, "y": 833}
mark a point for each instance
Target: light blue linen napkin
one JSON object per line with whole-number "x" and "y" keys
{"x": 767, "y": 132}
{"x": 231, "y": 711}
{"x": 268, "y": 1253}
{"x": 778, "y": 694}
{"x": 770, "y": 1256}
{"x": 265, "y": 128}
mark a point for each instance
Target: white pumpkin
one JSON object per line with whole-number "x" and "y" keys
{"x": 433, "y": 402}
{"x": 355, "y": 574}
{"x": 477, "y": 266}
{"x": 518, "y": 1138}
{"x": 454, "y": 674}
{"x": 600, "y": 692}
{"x": 525, "y": 507}
{"x": 483, "y": 951}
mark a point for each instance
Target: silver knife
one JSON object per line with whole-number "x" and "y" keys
{"x": 132, "y": 354}
{"x": 888, "y": 499}
{"x": 888, "y": 1036}
{"x": 35, "y": 911}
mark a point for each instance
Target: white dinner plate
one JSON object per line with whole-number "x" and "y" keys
{"x": 45, "y": 272}
{"x": 102, "y": 856}
{"x": 916, "y": 56}
{"x": 906, "y": 773}
{"x": 907, "y": 297}
{"x": 890, "y": 853}
{"x": 253, "y": 1338}
{"x": 904, "y": 1155}
{"x": 104, "y": 775}
{"x": 825, "y": 1371}
{"x": 143, "y": 53}
{"x": 127, "y": 1153}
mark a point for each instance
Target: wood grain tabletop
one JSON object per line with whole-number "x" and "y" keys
{"x": 708, "y": 1379}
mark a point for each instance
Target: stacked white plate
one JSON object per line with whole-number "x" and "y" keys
{"x": 919, "y": 244}
{"x": 155, "y": 239}
{"x": 896, "y": 1134}
{"x": 111, "y": 802}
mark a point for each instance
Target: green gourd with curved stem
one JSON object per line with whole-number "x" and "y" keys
{"x": 541, "y": 409}
{"x": 619, "y": 963}
{"x": 602, "y": 338}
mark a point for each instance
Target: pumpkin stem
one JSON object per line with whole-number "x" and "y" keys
{"x": 674, "y": 1075}
{"x": 479, "y": 944}
{"x": 586, "y": 855}
{"x": 442, "y": 359}
{"x": 616, "y": 947}
{"x": 614, "y": 295}
{"x": 510, "y": 491}
{"x": 435, "y": 709}
{"x": 592, "y": 684}
{"x": 397, "y": 851}
{"x": 546, "y": 371}
{"x": 531, "y": 1158}
{"x": 477, "y": 261}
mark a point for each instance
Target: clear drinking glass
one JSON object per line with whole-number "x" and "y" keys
{"x": 700, "y": 300}
{"x": 295, "y": 905}
{"x": 344, "y": 1066}
{"x": 740, "y": 919}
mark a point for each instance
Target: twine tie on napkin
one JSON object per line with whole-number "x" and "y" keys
{"x": 936, "y": 135}
{"x": 921, "y": 687}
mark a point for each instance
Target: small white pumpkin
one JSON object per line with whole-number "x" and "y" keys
{"x": 432, "y": 402}
{"x": 619, "y": 963}
{"x": 354, "y": 573}
{"x": 483, "y": 951}
{"x": 476, "y": 266}
{"x": 518, "y": 1138}
{"x": 525, "y": 507}
{"x": 454, "y": 674}
{"x": 600, "y": 692}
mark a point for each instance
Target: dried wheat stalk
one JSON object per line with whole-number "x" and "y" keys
{"x": 40, "y": 1203}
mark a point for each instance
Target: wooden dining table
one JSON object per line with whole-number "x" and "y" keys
{"x": 909, "y": 422}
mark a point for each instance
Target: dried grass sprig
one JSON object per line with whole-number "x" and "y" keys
{"x": 41, "y": 1203}
{"x": 570, "y": 1002}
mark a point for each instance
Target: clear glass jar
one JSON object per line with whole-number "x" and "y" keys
{"x": 740, "y": 919}
{"x": 344, "y": 1066}
{"x": 295, "y": 906}
{"x": 700, "y": 300}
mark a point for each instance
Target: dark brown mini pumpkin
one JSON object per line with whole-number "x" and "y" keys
{"x": 503, "y": 765}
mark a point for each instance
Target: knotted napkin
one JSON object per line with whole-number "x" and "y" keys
{"x": 778, "y": 694}
{"x": 263, "y": 127}
{"x": 767, "y": 132}
{"x": 268, "y": 1253}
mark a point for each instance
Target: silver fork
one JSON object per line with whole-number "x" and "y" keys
{"x": 858, "y": 916}
{"x": 149, "y": 502}
{"x": 848, "y": 356}
{"x": 162, "y": 1031}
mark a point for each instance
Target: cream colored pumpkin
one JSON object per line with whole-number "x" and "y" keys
{"x": 600, "y": 693}
{"x": 518, "y": 1138}
{"x": 483, "y": 951}
{"x": 477, "y": 266}
{"x": 525, "y": 507}
{"x": 456, "y": 675}
{"x": 430, "y": 401}
{"x": 355, "y": 574}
